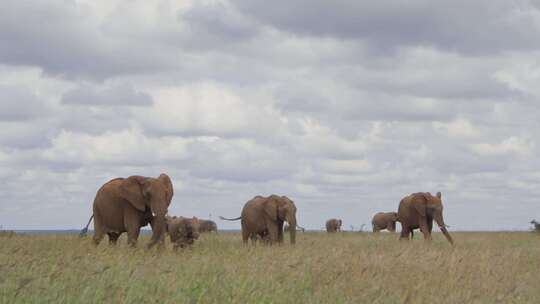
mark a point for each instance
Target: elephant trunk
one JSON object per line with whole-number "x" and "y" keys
{"x": 439, "y": 220}
{"x": 292, "y": 230}
{"x": 159, "y": 227}
{"x": 392, "y": 226}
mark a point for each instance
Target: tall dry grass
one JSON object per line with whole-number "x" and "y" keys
{"x": 321, "y": 268}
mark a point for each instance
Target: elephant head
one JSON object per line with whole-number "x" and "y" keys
{"x": 282, "y": 208}
{"x": 393, "y": 218}
{"x": 431, "y": 206}
{"x": 182, "y": 231}
{"x": 154, "y": 194}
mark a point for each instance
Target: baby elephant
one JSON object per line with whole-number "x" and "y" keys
{"x": 183, "y": 231}
{"x": 384, "y": 220}
{"x": 207, "y": 226}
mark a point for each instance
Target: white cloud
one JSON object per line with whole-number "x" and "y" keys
{"x": 209, "y": 109}
{"x": 459, "y": 128}
{"x": 511, "y": 146}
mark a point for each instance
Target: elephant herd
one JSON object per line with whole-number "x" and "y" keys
{"x": 128, "y": 204}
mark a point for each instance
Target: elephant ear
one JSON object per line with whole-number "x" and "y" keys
{"x": 271, "y": 207}
{"x": 169, "y": 192}
{"x": 420, "y": 202}
{"x": 131, "y": 190}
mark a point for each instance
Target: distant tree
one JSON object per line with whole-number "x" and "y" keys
{"x": 6, "y": 233}
{"x": 362, "y": 228}
{"x": 536, "y": 226}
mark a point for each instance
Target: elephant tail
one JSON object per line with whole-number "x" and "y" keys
{"x": 230, "y": 219}
{"x": 85, "y": 229}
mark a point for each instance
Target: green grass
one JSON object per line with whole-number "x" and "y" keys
{"x": 321, "y": 268}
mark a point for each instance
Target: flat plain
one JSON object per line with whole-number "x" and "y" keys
{"x": 348, "y": 267}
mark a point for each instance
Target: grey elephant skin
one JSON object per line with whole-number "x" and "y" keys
{"x": 419, "y": 210}
{"x": 127, "y": 204}
{"x": 333, "y": 225}
{"x": 207, "y": 226}
{"x": 384, "y": 220}
{"x": 263, "y": 217}
{"x": 183, "y": 231}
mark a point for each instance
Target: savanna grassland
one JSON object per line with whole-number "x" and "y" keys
{"x": 320, "y": 268}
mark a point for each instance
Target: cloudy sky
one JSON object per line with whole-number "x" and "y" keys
{"x": 344, "y": 106}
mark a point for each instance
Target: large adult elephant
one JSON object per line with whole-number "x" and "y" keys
{"x": 127, "y": 204}
{"x": 264, "y": 217}
{"x": 384, "y": 220}
{"x": 333, "y": 225}
{"x": 419, "y": 210}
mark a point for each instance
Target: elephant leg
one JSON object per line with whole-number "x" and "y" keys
{"x": 430, "y": 226}
{"x": 133, "y": 230}
{"x": 280, "y": 231}
{"x": 133, "y": 236}
{"x": 99, "y": 230}
{"x": 253, "y": 237}
{"x": 113, "y": 237}
{"x": 245, "y": 235}
{"x": 272, "y": 232}
{"x": 405, "y": 233}
{"x": 425, "y": 230}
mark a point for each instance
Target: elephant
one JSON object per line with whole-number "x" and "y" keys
{"x": 333, "y": 225}
{"x": 264, "y": 217}
{"x": 384, "y": 220}
{"x": 182, "y": 231}
{"x": 419, "y": 210}
{"x": 207, "y": 226}
{"x": 127, "y": 204}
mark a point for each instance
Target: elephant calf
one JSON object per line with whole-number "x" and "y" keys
{"x": 183, "y": 231}
{"x": 384, "y": 220}
{"x": 207, "y": 226}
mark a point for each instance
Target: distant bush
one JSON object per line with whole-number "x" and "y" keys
{"x": 7, "y": 233}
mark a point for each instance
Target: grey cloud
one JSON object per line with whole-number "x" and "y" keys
{"x": 17, "y": 103}
{"x": 219, "y": 20}
{"x": 65, "y": 39}
{"x": 116, "y": 95}
{"x": 24, "y": 135}
{"x": 385, "y": 26}
{"x": 241, "y": 162}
